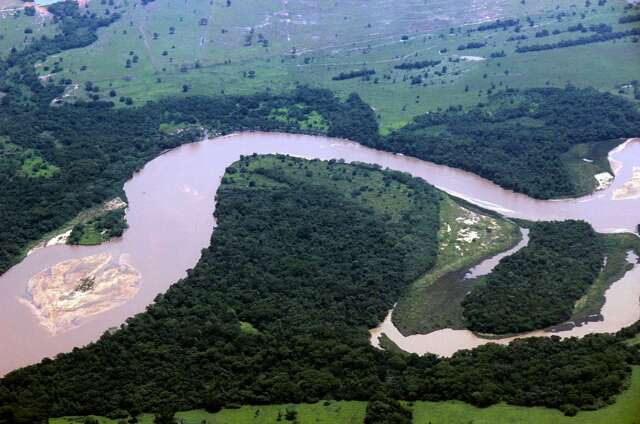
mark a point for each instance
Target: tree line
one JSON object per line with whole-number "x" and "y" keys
{"x": 354, "y": 74}
{"x": 418, "y": 65}
{"x": 518, "y": 137}
{"x": 599, "y": 37}
{"x": 309, "y": 268}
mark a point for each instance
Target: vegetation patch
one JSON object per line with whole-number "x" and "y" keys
{"x": 539, "y": 285}
{"x": 384, "y": 410}
{"x": 34, "y": 166}
{"x": 625, "y": 410}
{"x": 466, "y": 237}
{"x": 518, "y": 139}
{"x": 585, "y": 161}
{"x": 215, "y": 48}
{"x": 324, "y": 412}
{"x": 99, "y": 229}
{"x": 301, "y": 116}
{"x": 616, "y": 247}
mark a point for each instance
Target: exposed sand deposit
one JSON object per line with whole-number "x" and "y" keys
{"x": 168, "y": 228}
{"x": 63, "y": 295}
{"x": 631, "y": 188}
{"x": 59, "y": 239}
{"x": 604, "y": 180}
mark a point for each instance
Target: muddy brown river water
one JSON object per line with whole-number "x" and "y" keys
{"x": 171, "y": 201}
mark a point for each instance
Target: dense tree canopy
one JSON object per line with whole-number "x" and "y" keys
{"x": 306, "y": 257}
{"x": 96, "y": 148}
{"x": 539, "y": 285}
{"x": 518, "y": 138}
{"x": 80, "y": 155}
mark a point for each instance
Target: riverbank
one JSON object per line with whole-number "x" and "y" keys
{"x": 620, "y": 309}
{"x": 467, "y": 237}
{"x": 158, "y": 200}
{"x": 61, "y": 235}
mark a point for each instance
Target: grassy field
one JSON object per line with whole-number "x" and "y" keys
{"x": 319, "y": 413}
{"x": 18, "y": 30}
{"x": 466, "y": 237}
{"x": 178, "y": 48}
{"x": 626, "y": 410}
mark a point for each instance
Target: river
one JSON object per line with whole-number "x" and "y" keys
{"x": 170, "y": 216}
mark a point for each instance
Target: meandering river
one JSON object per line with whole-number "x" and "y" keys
{"x": 170, "y": 215}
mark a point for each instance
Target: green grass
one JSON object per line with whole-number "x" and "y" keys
{"x": 330, "y": 38}
{"x": 13, "y": 25}
{"x": 433, "y": 301}
{"x": 329, "y": 412}
{"x": 625, "y": 410}
{"x": 91, "y": 236}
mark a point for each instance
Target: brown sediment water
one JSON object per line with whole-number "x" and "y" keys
{"x": 170, "y": 216}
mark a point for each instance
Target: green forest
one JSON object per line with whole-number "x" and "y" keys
{"x": 56, "y": 160}
{"x": 538, "y": 286}
{"x": 101, "y": 228}
{"x": 306, "y": 257}
{"x": 517, "y": 139}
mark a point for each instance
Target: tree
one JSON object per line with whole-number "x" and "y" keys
{"x": 166, "y": 416}
{"x": 384, "y": 410}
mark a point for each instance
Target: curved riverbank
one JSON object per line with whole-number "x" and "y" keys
{"x": 621, "y": 309}
{"x": 170, "y": 218}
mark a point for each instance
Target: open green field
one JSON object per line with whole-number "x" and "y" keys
{"x": 626, "y": 410}
{"x": 171, "y": 47}
{"x": 319, "y": 413}
{"x": 18, "y": 30}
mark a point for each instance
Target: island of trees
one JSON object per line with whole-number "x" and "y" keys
{"x": 538, "y": 286}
